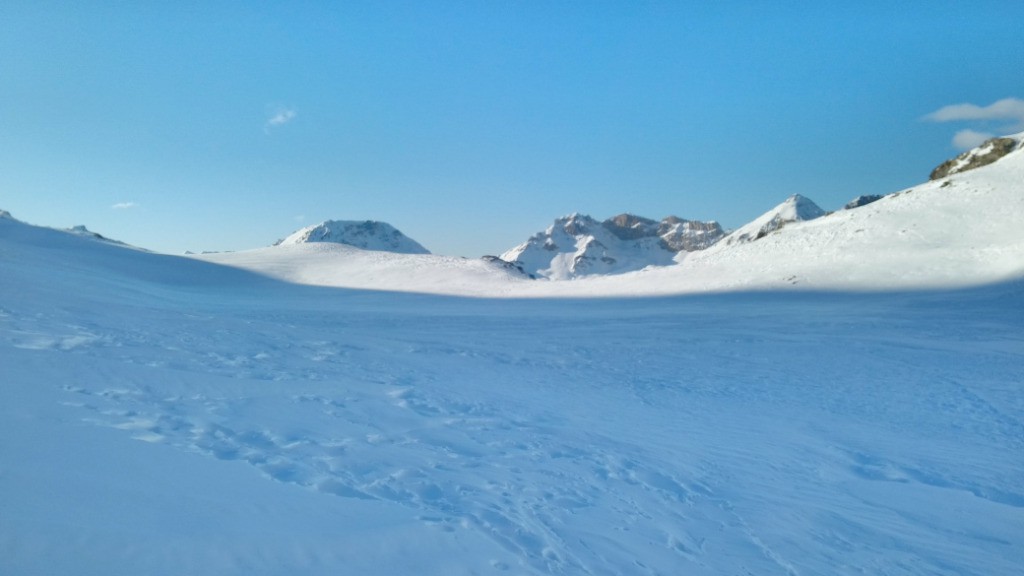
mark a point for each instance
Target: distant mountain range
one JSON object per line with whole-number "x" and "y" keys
{"x": 962, "y": 226}
{"x": 579, "y": 245}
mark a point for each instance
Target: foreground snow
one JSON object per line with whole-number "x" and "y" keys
{"x": 164, "y": 415}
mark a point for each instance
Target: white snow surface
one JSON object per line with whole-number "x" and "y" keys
{"x": 340, "y": 265}
{"x": 169, "y": 415}
{"x": 367, "y": 234}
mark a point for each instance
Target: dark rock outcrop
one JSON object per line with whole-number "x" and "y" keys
{"x": 862, "y": 201}
{"x": 990, "y": 151}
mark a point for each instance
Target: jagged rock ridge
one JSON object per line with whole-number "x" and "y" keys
{"x": 579, "y": 245}
{"x": 367, "y": 235}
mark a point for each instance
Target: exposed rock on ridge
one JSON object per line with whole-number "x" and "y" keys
{"x": 578, "y": 245}
{"x": 990, "y": 151}
{"x": 862, "y": 201}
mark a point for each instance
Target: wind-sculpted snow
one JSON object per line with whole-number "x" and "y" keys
{"x": 233, "y": 424}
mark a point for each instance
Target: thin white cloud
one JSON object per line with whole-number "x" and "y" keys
{"x": 280, "y": 118}
{"x": 1006, "y": 109}
{"x": 967, "y": 139}
{"x": 1004, "y": 116}
{"x": 124, "y": 205}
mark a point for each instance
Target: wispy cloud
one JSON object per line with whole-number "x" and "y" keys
{"x": 1005, "y": 109}
{"x": 280, "y": 118}
{"x": 1001, "y": 117}
{"x": 124, "y": 205}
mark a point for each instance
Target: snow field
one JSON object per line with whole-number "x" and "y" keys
{"x": 252, "y": 426}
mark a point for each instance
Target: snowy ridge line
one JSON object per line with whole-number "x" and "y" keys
{"x": 957, "y": 231}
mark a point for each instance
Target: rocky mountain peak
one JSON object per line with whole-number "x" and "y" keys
{"x": 794, "y": 209}
{"x": 578, "y": 245}
{"x": 367, "y": 235}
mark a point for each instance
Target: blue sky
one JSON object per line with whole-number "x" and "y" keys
{"x": 471, "y": 125}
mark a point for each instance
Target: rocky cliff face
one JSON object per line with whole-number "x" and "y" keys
{"x": 689, "y": 235}
{"x": 578, "y": 245}
{"x": 987, "y": 153}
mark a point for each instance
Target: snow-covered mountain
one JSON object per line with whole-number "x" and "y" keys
{"x": 959, "y": 230}
{"x": 367, "y": 234}
{"x": 796, "y": 208}
{"x": 578, "y": 245}
{"x": 963, "y": 229}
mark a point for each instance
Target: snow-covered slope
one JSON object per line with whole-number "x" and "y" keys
{"x": 341, "y": 265}
{"x": 164, "y": 415}
{"x": 960, "y": 230}
{"x": 577, "y": 245}
{"x": 368, "y": 235}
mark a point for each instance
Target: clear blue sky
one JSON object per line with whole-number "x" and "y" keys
{"x": 471, "y": 125}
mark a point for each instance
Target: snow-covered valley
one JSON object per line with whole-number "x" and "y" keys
{"x": 165, "y": 415}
